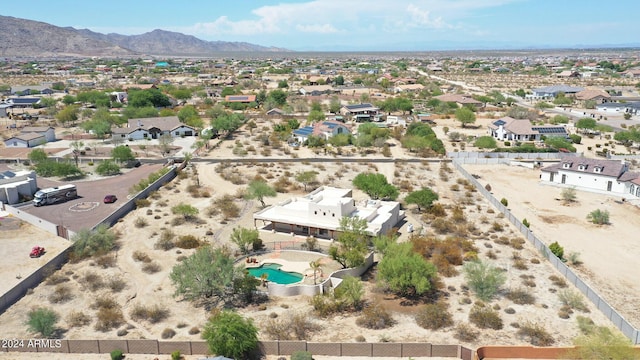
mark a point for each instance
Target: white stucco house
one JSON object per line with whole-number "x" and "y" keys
{"x": 596, "y": 175}
{"x": 153, "y": 128}
{"x": 319, "y": 212}
{"x": 324, "y": 129}
{"x": 25, "y": 140}
{"x": 510, "y": 129}
{"x": 14, "y": 184}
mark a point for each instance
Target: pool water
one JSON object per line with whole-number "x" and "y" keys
{"x": 274, "y": 274}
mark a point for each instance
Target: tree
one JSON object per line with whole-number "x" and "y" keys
{"x": 189, "y": 115}
{"x": 465, "y": 116}
{"x": 68, "y": 115}
{"x": 77, "y": 146}
{"x": 227, "y": 123}
{"x": 599, "y": 217}
{"x": 315, "y": 265}
{"x": 278, "y": 96}
{"x": 602, "y": 343}
{"x": 207, "y": 274}
{"x": 307, "y": 178}
{"x": 88, "y": 243}
{"x": 185, "y": 210}
{"x": 229, "y": 334}
{"x": 352, "y": 242}
{"x": 586, "y": 123}
{"x": 246, "y": 239}
{"x": 483, "y": 278}
{"x": 165, "y": 140}
{"x": 122, "y": 153}
{"x": 315, "y": 116}
{"x": 43, "y": 321}
{"x": 259, "y": 190}
{"x": 376, "y": 186}
{"x": 486, "y": 142}
{"x": 406, "y": 272}
{"x": 424, "y": 198}
{"x": 37, "y": 156}
{"x": 147, "y": 98}
{"x": 107, "y": 167}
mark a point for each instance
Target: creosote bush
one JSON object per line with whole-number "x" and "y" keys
{"x": 535, "y": 334}
{"x": 521, "y": 296}
{"x": 434, "y": 316}
{"x": 485, "y": 318}
{"x": 375, "y": 316}
{"x": 466, "y": 333}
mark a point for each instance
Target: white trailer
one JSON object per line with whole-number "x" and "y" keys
{"x": 55, "y": 194}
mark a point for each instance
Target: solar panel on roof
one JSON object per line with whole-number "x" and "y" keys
{"x": 499, "y": 123}
{"x": 238, "y": 97}
{"x": 549, "y": 130}
{"x": 304, "y": 131}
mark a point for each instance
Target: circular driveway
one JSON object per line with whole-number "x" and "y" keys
{"x": 88, "y": 209}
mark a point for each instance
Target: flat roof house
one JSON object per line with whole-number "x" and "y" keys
{"x": 319, "y": 212}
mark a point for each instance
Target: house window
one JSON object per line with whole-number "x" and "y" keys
{"x": 632, "y": 189}
{"x": 177, "y": 133}
{"x": 565, "y": 165}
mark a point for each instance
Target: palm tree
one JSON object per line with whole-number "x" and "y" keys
{"x": 263, "y": 278}
{"x": 315, "y": 266}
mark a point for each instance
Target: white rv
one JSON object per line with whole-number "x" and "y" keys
{"x": 55, "y": 194}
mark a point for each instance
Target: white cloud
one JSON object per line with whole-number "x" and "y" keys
{"x": 352, "y": 16}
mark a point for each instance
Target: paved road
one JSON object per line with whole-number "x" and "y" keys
{"x": 88, "y": 209}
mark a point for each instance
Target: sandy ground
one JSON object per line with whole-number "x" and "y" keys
{"x": 155, "y": 288}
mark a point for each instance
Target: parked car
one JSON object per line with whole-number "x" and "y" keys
{"x": 36, "y": 252}
{"x": 109, "y": 199}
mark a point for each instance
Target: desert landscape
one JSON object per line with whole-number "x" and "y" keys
{"x": 137, "y": 273}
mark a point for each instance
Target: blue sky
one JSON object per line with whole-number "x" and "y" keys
{"x": 356, "y": 25}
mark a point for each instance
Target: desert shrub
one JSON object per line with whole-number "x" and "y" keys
{"x": 496, "y": 226}
{"x": 483, "y": 278}
{"x": 585, "y": 324}
{"x": 42, "y": 321}
{"x": 140, "y": 222}
{"x": 141, "y": 256}
{"x": 56, "y": 278}
{"x": 276, "y": 329}
{"x": 194, "y": 330}
{"x": 535, "y": 261}
{"x": 62, "y": 293}
{"x": 188, "y": 242}
{"x": 491, "y": 255}
{"x": 296, "y": 326}
{"x": 78, "y": 319}
{"x": 574, "y": 258}
{"x": 116, "y": 355}
{"x": 168, "y": 333}
{"x": 106, "y": 261}
{"x": 227, "y": 205}
{"x": 360, "y": 338}
{"x": 151, "y": 267}
{"x": 573, "y": 300}
{"x": 301, "y": 326}
{"x": 535, "y": 334}
{"x": 525, "y": 222}
{"x": 153, "y": 314}
{"x": 504, "y": 202}
{"x": 176, "y": 355}
{"x": 510, "y": 311}
{"x": 182, "y": 325}
{"x": 558, "y": 281}
{"x": 517, "y": 243}
{"x": 557, "y": 250}
{"x": 599, "y": 217}
{"x": 92, "y": 281}
{"x": 434, "y": 316}
{"x": 109, "y": 318}
{"x": 485, "y": 317}
{"x": 520, "y": 264}
{"x": 466, "y": 333}
{"x": 375, "y": 316}
{"x": 521, "y": 296}
{"x": 87, "y": 243}
{"x": 165, "y": 242}
{"x": 104, "y": 302}
{"x": 324, "y": 305}
{"x": 140, "y": 203}
{"x": 443, "y": 226}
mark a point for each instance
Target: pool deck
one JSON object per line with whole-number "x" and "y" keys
{"x": 293, "y": 261}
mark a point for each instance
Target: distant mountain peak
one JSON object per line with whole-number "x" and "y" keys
{"x": 38, "y": 39}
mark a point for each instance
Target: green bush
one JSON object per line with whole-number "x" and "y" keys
{"x": 599, "y": 217}
{"x": 504, "y": 202}
{"x": 576, "y": 138}
{"x": 525, "y": 222}
{"x": 43, "y": 321}
{"x": 557, "y": 250}
{"x": 483, "y": 278}
{"x": 176, "y": 355}
{"x": 117, "y": 355}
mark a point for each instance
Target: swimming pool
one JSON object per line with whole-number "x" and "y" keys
{"x": 274, "y": 274}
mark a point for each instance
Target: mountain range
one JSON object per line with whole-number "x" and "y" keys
{"x": 28, "y": 38}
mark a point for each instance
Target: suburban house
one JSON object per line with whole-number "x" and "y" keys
{"x": 48, "y": 132}
{"x": 407, "y": 88}
{"x": 153, "y": 128}
{"x": 31, "y": 90}
{"x": 632, "y": 107}
{"x": 460, "y": 99}
{"x": 275, "y": 112}
{"x": 16, "y": 184}
{"x": 361, "y": 112}
{"x": 568, "y": 74}
{"x": 325, "y": 129}
{"x": 552, "y": 91}
{"x": 127, "y": 87}
{"x": 510, "y": 129}
{"x": 316, "y": 90}
{"x": 319, "y": 212}
{"x": 23, "y": 102}
{"x": 25, "y": 140}
{"x": 597, "y": 175}
{"x": 599, "y": 96}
